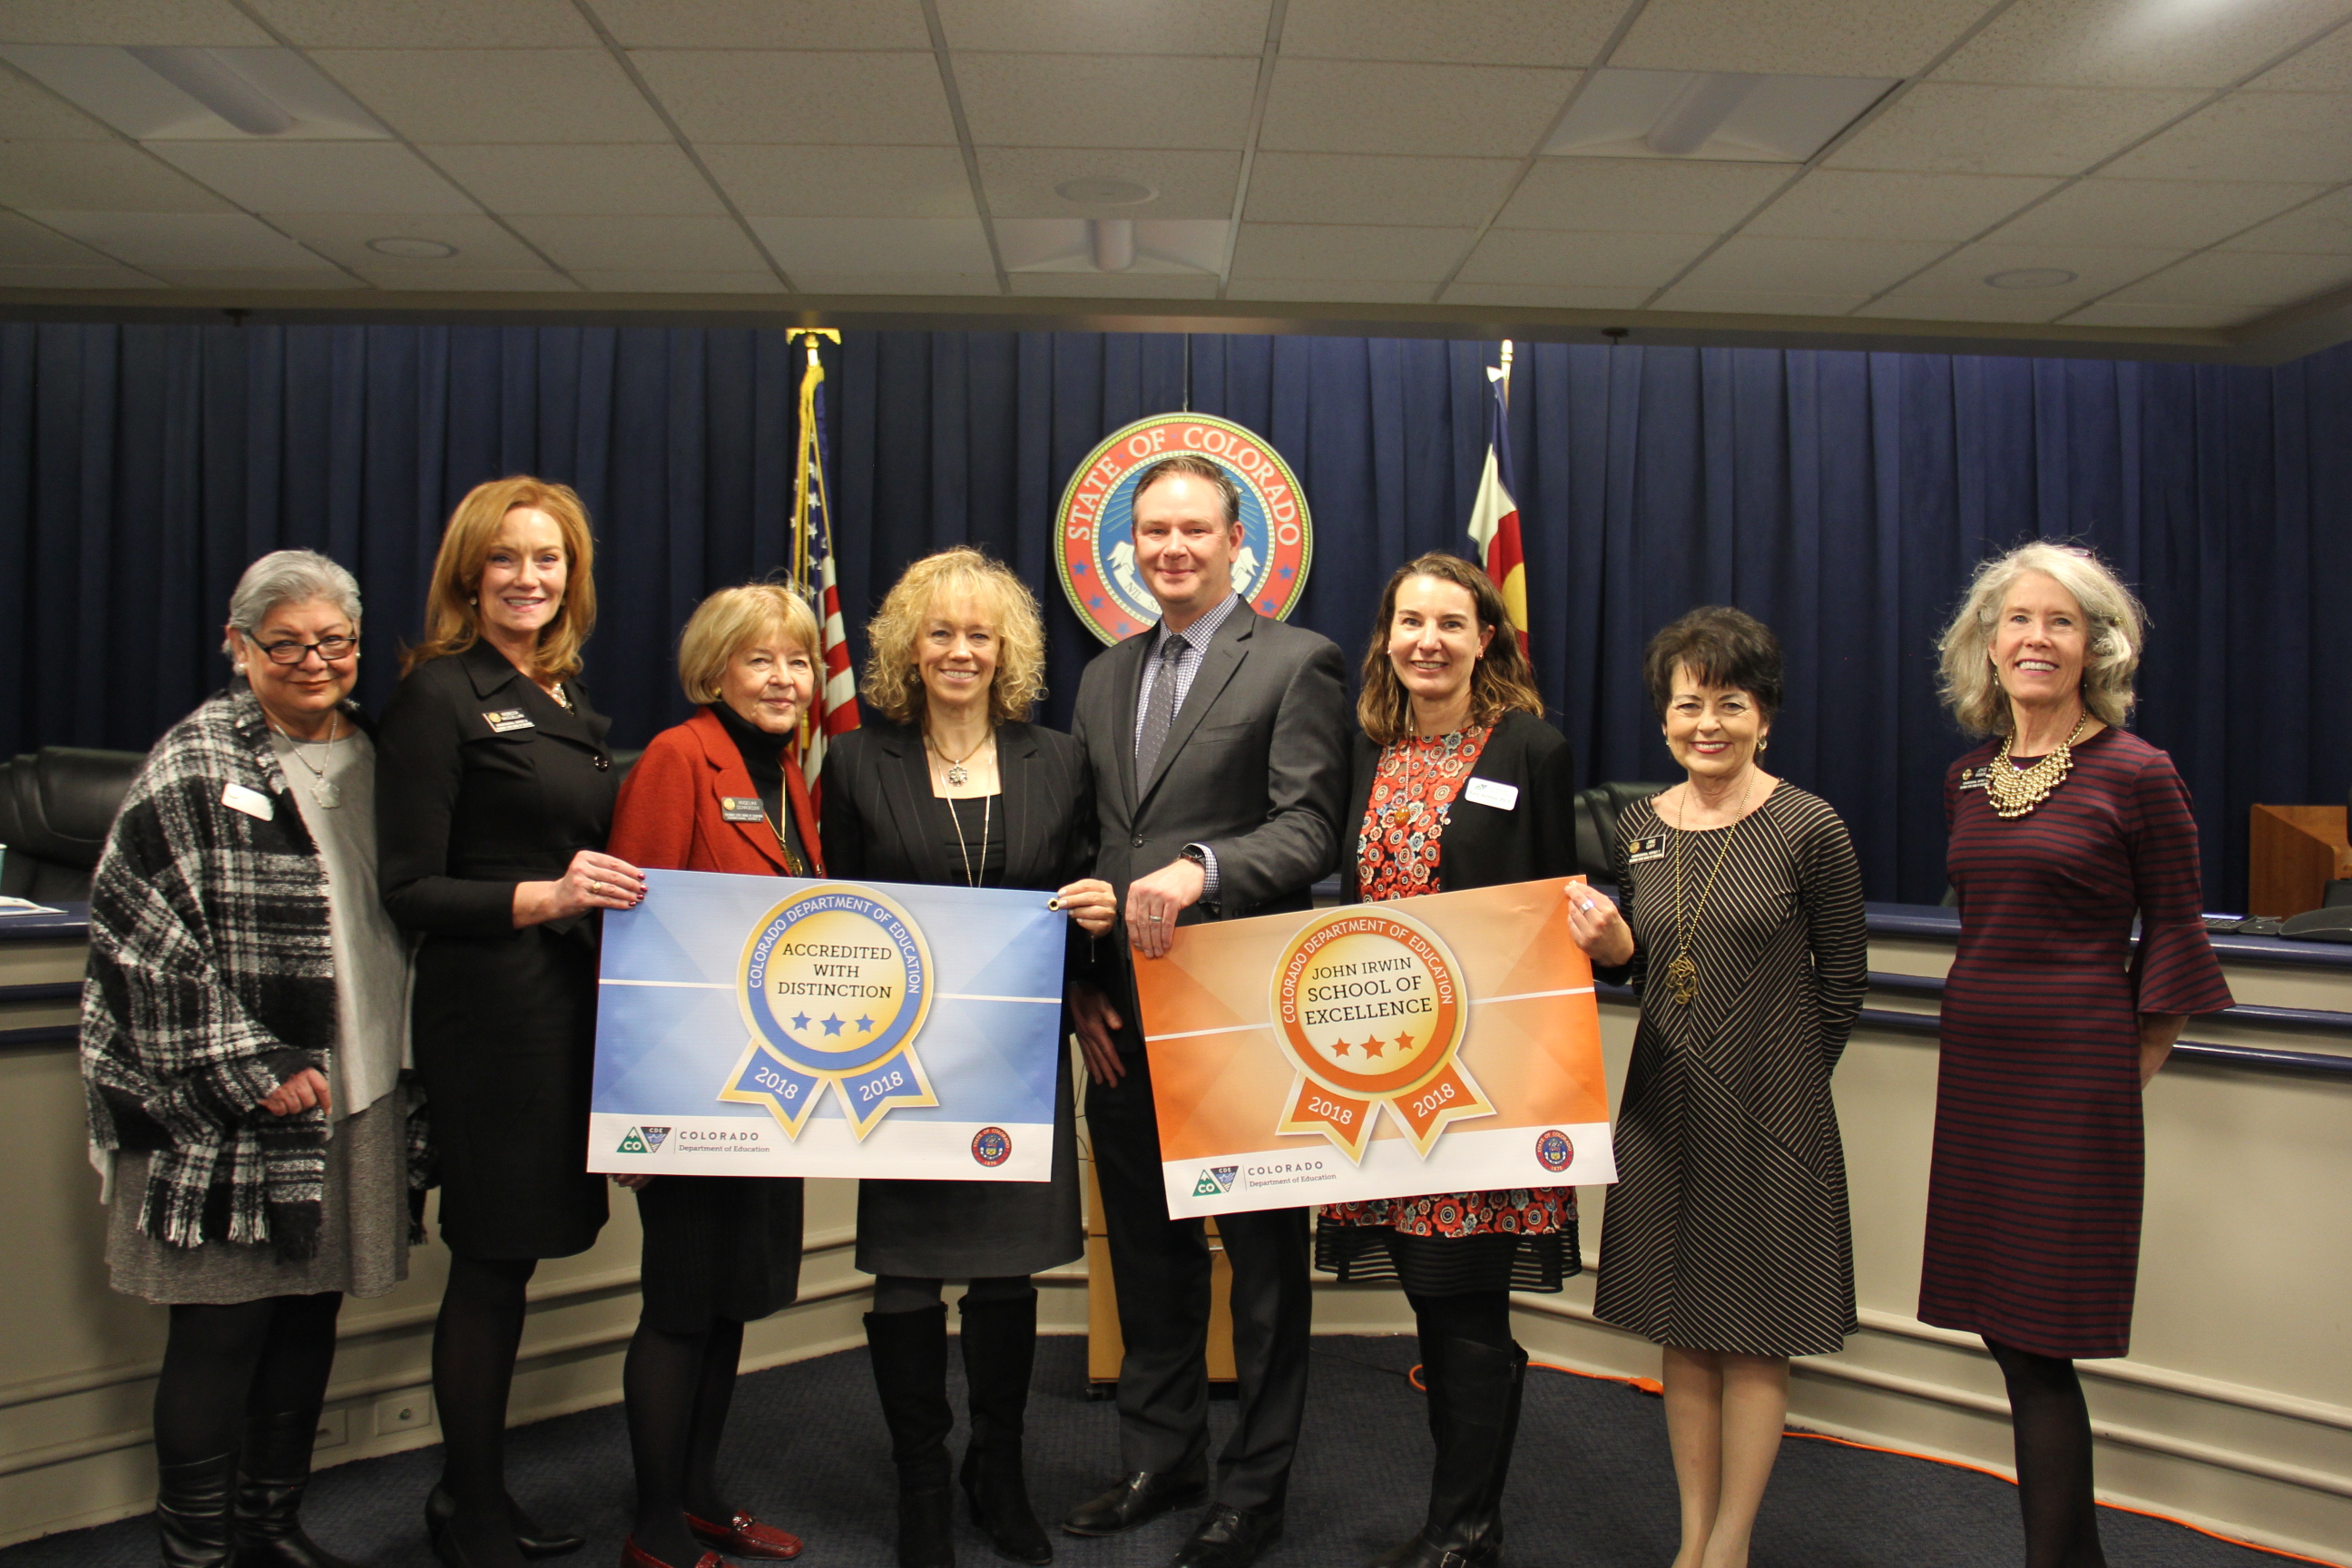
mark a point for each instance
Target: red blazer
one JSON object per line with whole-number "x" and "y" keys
{"x": 669, "y": 817}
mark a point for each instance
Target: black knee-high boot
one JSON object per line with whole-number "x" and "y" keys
{"x": 273, "y": 1472}
{"x": 191, "y": 1511}
{"x": 1473, "y": 1416}
{"x": 909, "y": 1351}
{"x": 1000, "y": 1352}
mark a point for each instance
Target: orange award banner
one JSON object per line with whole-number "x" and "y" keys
{"x": 1433, "y": 1045}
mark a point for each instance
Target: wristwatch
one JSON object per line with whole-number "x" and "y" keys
{"x": 1195, "y": 854}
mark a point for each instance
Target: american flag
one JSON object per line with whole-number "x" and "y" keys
{"x": 835, "y": 712}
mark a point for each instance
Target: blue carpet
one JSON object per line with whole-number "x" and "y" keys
{"x": 1591, "y": 1484}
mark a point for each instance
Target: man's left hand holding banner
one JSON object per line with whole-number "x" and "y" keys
{"x": 768, "y": 1026}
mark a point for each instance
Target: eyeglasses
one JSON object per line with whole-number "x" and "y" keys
{"x": 330, "y": 649}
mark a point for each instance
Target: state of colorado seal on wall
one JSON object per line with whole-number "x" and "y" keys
{"x": 1097, "y": 552}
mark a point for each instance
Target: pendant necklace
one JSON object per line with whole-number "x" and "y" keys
{"x": 2013, "y": 792}
{"x": 323, "y": 790}
{"x": 958, "y": 775}
{"x": 1682, "y": 974}
{"x": 793, "y": 863}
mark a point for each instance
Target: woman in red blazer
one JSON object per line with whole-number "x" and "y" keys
{"x": 721, "y": 792}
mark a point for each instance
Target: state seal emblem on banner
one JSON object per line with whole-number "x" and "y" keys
{"x": 835, "y": 984}
{"x": 1097, "y": 556}
{"x": 1369, "y": 1006}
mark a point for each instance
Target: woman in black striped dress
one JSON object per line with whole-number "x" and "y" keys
{"x": 1726, "y": 1238}
{"x": 2064, "y": 827}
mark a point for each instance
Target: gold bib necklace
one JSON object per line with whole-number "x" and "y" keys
{"x": 2012, "y": 792}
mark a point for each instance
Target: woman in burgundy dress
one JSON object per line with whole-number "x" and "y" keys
{"x": 2064, "y": 828}
{"x": 1458, "y": 783}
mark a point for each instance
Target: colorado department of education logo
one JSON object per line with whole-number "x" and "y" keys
{"x": 1216, "y": 1182}
{"x": 1369, "y": 1006}
{"x": 834, "y": 983}
{"x": 1098, "y": 547}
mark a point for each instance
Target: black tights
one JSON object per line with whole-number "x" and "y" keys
{"x": 912, "y": 1293}
{"x": 222, "y": 1364}
{"x": 2053, "y": 1427}
{"x": 474, "y": 1345}
{"x": 1482, "y": 1317}
{"x": 677, "y": 1388}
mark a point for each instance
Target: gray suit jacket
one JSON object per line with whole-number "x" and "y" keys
{"x": 1254, "y": 768}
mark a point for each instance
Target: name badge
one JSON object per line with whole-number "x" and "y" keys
{"x": 1654, "y": 847}
{"x": 508, "y": 719}
{"x": 1488, "y": 792}
{"x": 251, "y": 802}
{"x": 1974, "y": 778}
{"x": 742, "y": 808}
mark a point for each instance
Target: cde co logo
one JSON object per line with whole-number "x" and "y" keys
{"x": 1215, "y": 1180}
{"x": 1097, "y": 555}
{"x": 643, "y": 1140}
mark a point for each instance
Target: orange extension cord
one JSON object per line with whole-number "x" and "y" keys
{"x": 1652, "y": 1385}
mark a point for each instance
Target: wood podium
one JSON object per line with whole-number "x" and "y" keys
{"x": 2293, "y": 853}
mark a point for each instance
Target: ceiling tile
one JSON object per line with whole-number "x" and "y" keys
{"x": 2135, "y": 43}
{"x": 2121, "y": 313}
{"x": 1100, "y": 100}
{"x": 1988, "y": 305}
{"x": 2096, "y": 269}
{"x": 186, "y": 239}
{"x": 779, "y": 96}
{"x": 206, "y": 24}
{"x": 765, "y": 23}
{"x": 2176, "y": 215}
{"x": 24, "y": 243}
{"x": 1023, "y": 182}
{"x": 1347, "y": 250}
{"x": 97, "y": 176}
{"x": 905, "y": 285}
{"x": 317, "y": 176}
{"x": 462, "y": 279}
{"x": 495, "y": 95}
{"x": 1523, "y": 256}
{"x": 1493, "y": 32}
{"x": 1794, "y": 37}
{"x": 1116, "y": 285}
{"x": 1090, "y": 27}
{"x": 1943, "y": 128}
{"x": 1644, "y": 195}
{"x": 1341, "y": 188}
{"x": 1319, "y": 290}
{"x": 1838, "y": 203}
{"x": 895, "y": 245}
{"x": 688, "y": 244}
{"x": 844, "y": 182}
{"x": 2241, "y": 277}
{"x": 1754, "y": 264}
{"x": 251, "y": 280}
{"x": 31, "y": 113}
{"x": 1574, "y": 297}
{"x": 96, "y": 274}
{"x": 2326, "y": 67}
{"x": 638, "y": 178}
{"x": 2323, "y": 228}
{"x": 2252, "y": 136}
{"x": 1360, "y": 106}
{"x": 429, "y": 24}
{"x": 670, "y": 280}
{"x": 1745, "y": 302}
{"x": 482, "y": 244}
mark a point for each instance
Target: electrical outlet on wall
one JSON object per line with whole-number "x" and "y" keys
{"x": 407, "y": 1412}
{"x": 334, "y": 1429}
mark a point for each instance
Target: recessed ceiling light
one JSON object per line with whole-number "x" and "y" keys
{"x": 2031, "y": 278}
{"x": 417, "y": 250}
{"x": 1736, "y": 115}
{"x": 169, "y": 94}
{"x": 1117, "y": 193}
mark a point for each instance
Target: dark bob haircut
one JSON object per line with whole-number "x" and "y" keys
{"x": 1722, "y": 646}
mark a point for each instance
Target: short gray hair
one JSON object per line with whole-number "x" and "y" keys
{"x": 2117, "y": 631}
{"x": 287, "y": 577}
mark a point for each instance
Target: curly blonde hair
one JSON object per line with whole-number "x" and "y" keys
{"x": 892, "y": 683}
{"x": 1971, "y": 687}
{"x": 451, "y": 622}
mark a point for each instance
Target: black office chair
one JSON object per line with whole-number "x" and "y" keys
{"x": 56, "y": 806}
{"x": 1596, "y": 824}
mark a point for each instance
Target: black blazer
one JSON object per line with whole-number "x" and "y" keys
{"x": 877, "y": 824}
{"x": 1484, "y": 846}
{"x": 464, "y": 811}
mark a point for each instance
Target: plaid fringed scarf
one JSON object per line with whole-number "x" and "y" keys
{"x": 211, "y": 980}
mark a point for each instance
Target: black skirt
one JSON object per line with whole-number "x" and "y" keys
{"x": 719, "y": 1247}
{"x": 1447, "y": 1264}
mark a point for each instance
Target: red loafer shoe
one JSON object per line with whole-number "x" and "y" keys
{"x": 744, "y": 1536}
{"x": 635, "y": 1556}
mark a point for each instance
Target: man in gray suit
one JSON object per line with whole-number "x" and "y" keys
{"x": 1219, "y": 746}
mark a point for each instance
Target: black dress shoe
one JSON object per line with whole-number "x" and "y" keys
{"x": 530, "y": 1539}
{"x": 1141, "y": 1497}
{"x": 1230, "y": 1538}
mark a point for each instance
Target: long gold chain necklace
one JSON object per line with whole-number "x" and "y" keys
{"x": 971, "y": 877}
{"x": 793, "y": 865}
{"x": 1682, "y": 974}
{"x": 958, "y": 775}
{"x": 2013, "y": 791}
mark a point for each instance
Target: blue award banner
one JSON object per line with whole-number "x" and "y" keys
{"x": 771, "y": 1026}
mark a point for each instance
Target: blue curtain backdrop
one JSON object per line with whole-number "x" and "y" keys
{"x": 1841, "y": 497}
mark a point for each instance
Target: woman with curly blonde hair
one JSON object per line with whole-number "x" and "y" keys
{"x": 949, "y": 782}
